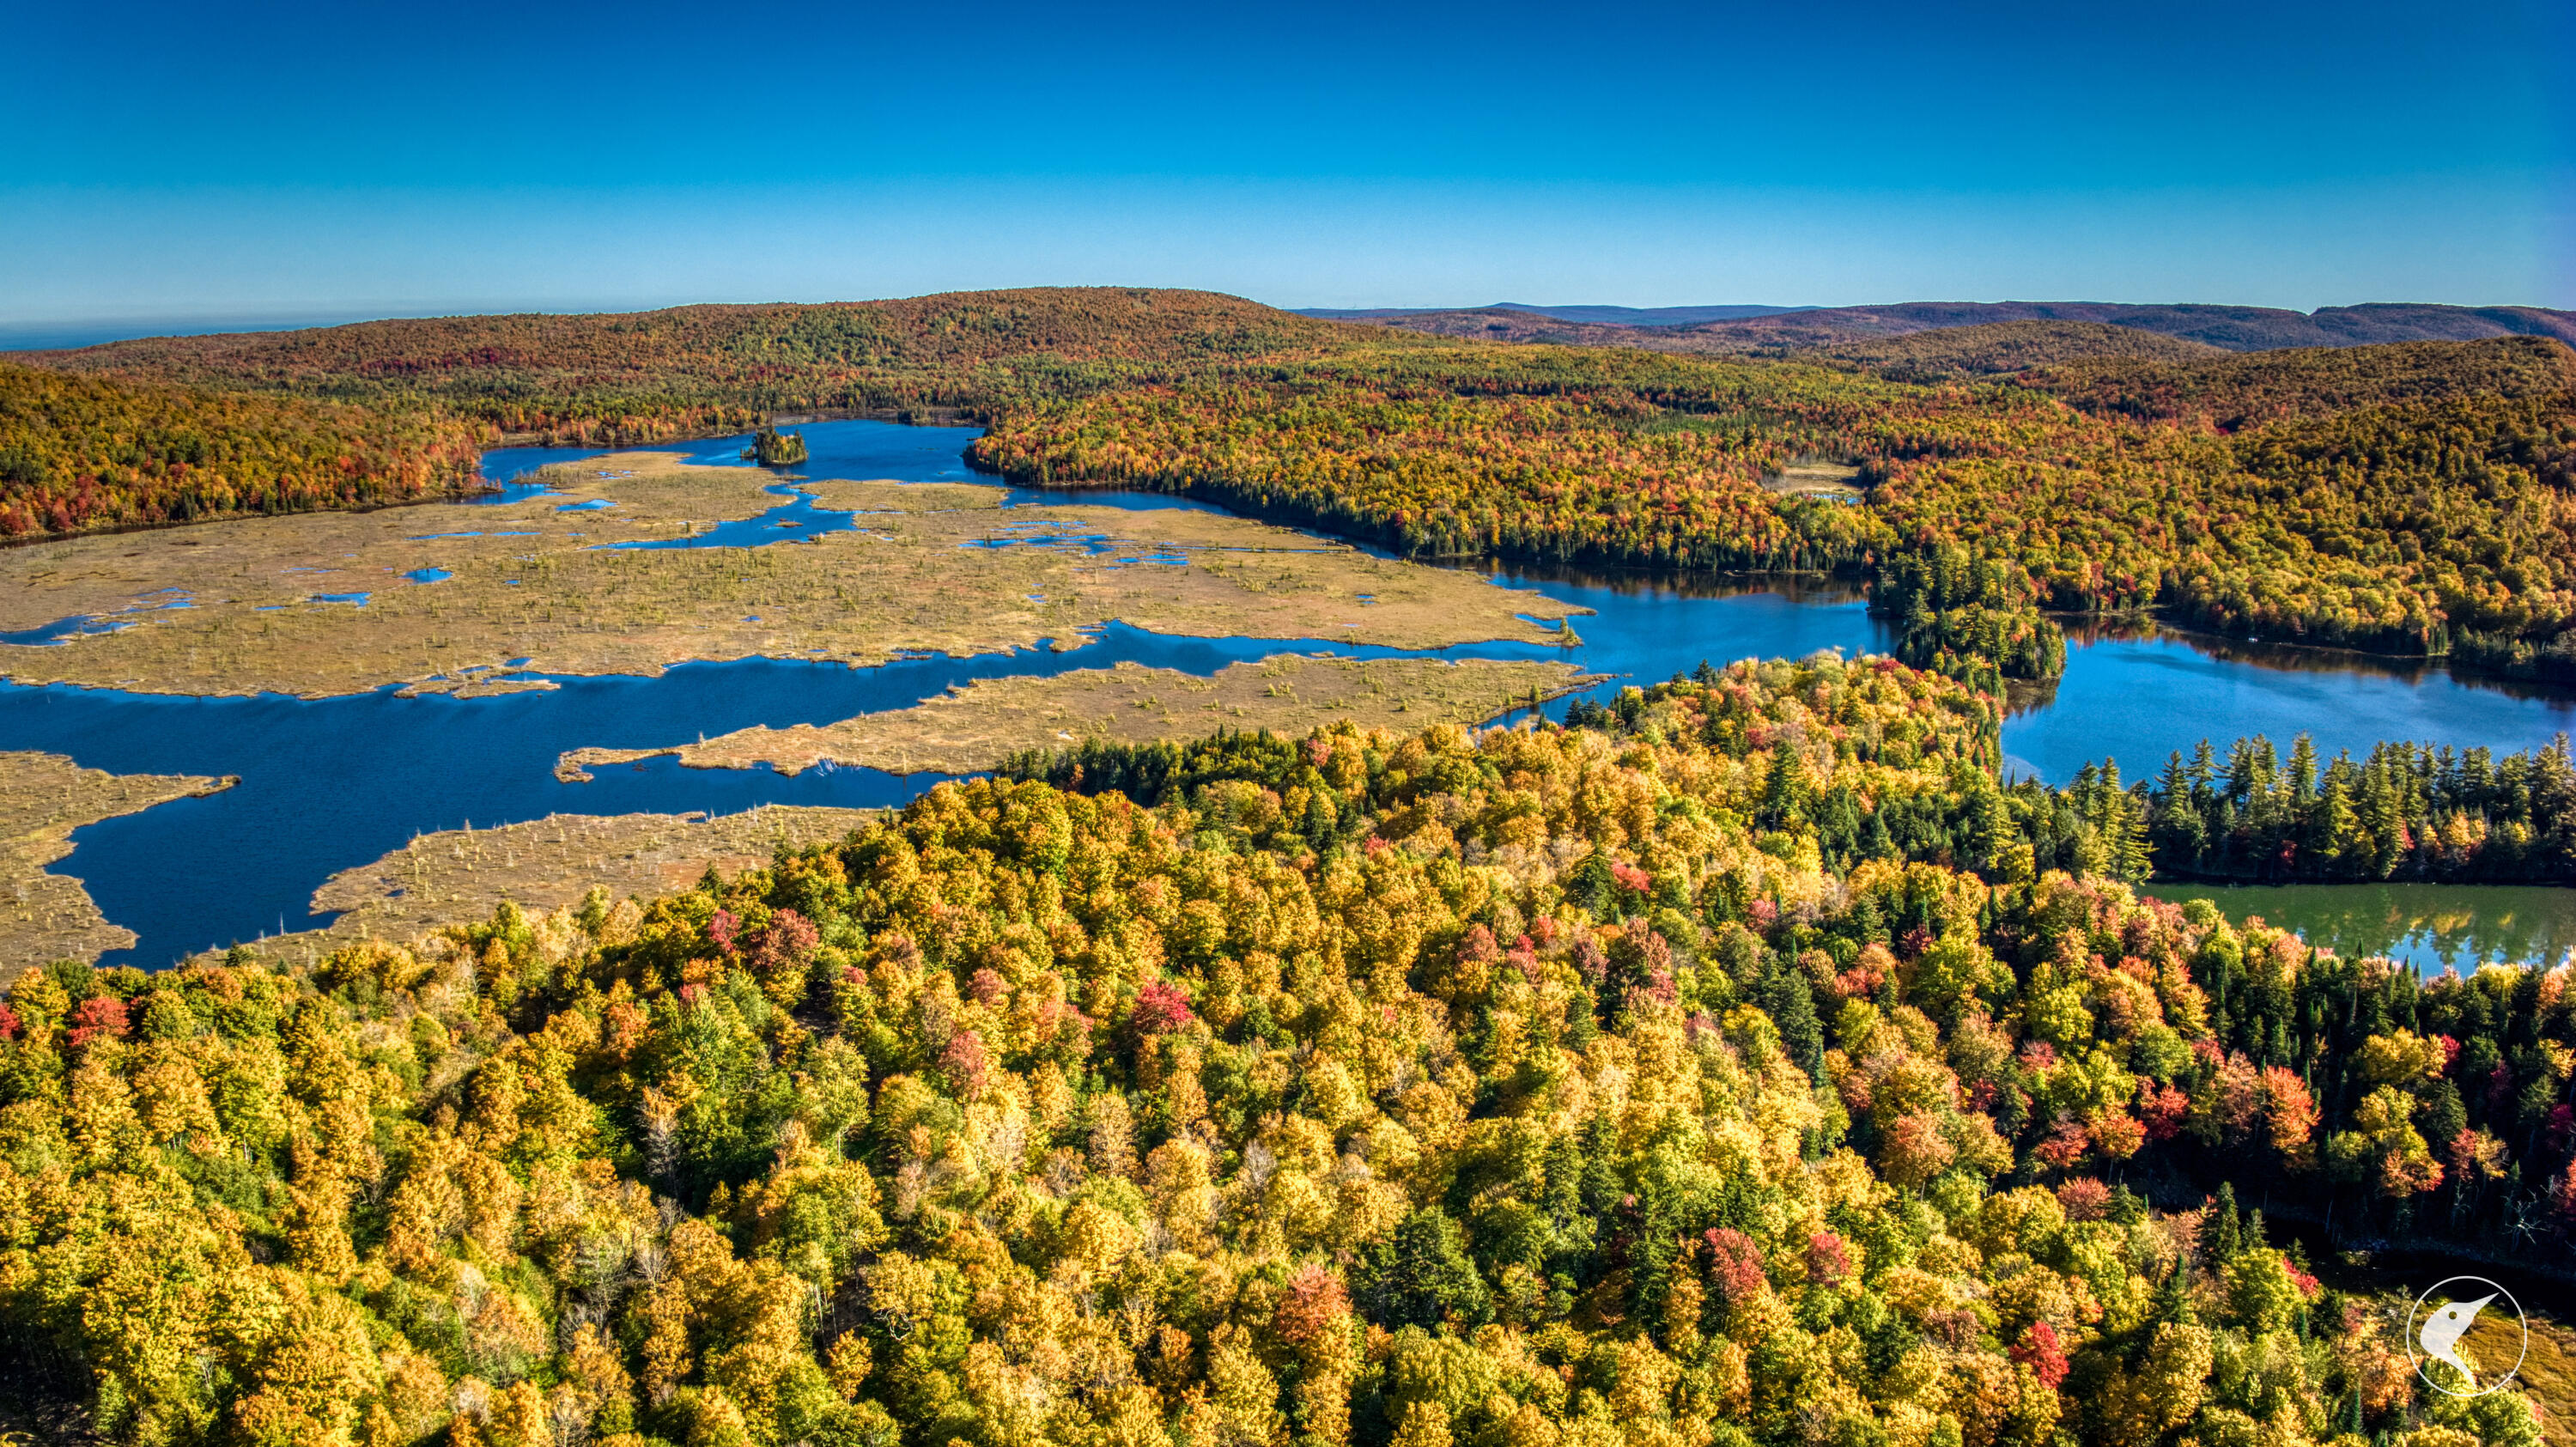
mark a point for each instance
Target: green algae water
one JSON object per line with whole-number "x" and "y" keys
{"x": 2431, "y": 927}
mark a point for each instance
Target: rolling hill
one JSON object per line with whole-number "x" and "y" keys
{"x": 2232, "y": 328}
{"x": 647, "y": 376}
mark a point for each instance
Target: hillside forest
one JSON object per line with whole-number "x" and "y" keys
{"x": 1737, "y": 1064}
{"x": 2409, "y": 498}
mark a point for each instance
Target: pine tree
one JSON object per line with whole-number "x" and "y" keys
{"x": 1784, "y": 995}
{"x": 2221, "y": 1234}
{"x": 2303, "y": 771}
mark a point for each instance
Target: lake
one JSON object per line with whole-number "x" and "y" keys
{"x": 2432, "y": 927}
{"x": 338, "y": 782}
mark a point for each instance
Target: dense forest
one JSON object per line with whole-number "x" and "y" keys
{"x": 1741, "y": 1065}
{"x": 2002, "y": 347}
{"x": 79, "y": 454}
{"x": 635, "y": 377}
{"x": 2408, "y": 811}
{"x": 2416, "y": 500}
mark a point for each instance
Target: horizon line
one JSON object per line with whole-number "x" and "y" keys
{"x": 61, "y": 333}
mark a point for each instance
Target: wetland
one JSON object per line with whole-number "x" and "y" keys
{"x": 700, "y": 636}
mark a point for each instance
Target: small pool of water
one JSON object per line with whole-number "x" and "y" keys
{"x": 2431, "y": 927}
{"x": 83, "y": 625}
{"x": 61, "y": 631}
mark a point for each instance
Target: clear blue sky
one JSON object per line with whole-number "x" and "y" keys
{"x": 169, "y": 158}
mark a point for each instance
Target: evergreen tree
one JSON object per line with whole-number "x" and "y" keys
{"x": 2221, "y": 1232}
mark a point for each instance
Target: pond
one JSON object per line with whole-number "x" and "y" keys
{"x": 339, "y": 782}
{"x": 2431, "y": 927}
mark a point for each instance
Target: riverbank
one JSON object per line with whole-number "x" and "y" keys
{"x": 43, "y": 798}
{"x": 357, "y": 774}
{"x": 459, "y": 876}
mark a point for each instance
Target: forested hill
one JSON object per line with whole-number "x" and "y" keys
{"x": 1816, "y": 329}
{"x": 647, "y": 376}
{"x": 2235, "y": 391}
{"x": 2000, "y": 347}
{"x": 2412, "y": 498}
{"x": 80, "y": 453}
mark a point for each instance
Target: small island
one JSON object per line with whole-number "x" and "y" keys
{"x": 773, "y": 448}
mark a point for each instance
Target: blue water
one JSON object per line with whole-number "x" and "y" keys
{"x": 331, "y": 783}
{"x": 335, "y": 783}
{"x": 60, "y": 631}
{"x": 2140, "y": 700}
{"x": 1644, "y": 631}
{"x": 860, "y": 450}
{"x": 795, "y": 520}
{"x": 82, "y": 625}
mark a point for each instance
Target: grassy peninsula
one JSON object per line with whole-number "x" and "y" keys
{"x": 43, "y": 798}
{"x": 977, "y": 726}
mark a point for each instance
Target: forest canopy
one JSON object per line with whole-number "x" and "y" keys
{"x": 78, "y": 454}
{"x": 1740, "y": 1065}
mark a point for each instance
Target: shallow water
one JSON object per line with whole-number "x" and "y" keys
{"x": 331, "y": 783}
{"x": 2431, "y": 927}
{"x": 335, "y": 783}
{"x": 863, "y": 451}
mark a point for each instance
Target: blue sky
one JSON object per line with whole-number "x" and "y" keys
{"x": 235, "y": 161}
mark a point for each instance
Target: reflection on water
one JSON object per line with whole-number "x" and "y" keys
{"x": 1818, "y": 589}
{"x": 2138, "y": 699}
{"x": 2303, "y": 658}
{"x": 2431, "y": 927}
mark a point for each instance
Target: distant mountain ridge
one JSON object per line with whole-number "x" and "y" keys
{"x": 1617, "y": 316}
{"x": 1792, "y": 329}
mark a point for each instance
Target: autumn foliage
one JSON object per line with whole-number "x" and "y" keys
{"x": 2412, "y": 498}
{"x": 79, "y": 454}
{"x": 1539, "y": 1086}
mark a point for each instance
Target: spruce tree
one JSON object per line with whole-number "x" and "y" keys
{"x": 2220, "y": 1233}
{"x": 1793, "y": 1009}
